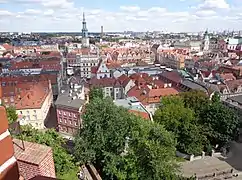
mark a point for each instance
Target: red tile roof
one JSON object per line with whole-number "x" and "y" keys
{"x": 26, "y": 94}
{"x": 124, "y": 80}
{"x": 104, "y": 82}
{"x": 171, "y": 76}
{"x": 228, "y": 76}
{"x": 144, "y": 115}
{"x": 146, "y": 95}
{"x": 34, "y": 153}
{"x": 45, "y": 64}
{"x": 6, "y": 46}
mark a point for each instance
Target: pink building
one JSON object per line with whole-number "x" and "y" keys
{"x": 69, "y": 105}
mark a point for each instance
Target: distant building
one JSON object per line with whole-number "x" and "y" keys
{"x": 206, "y": 41}
{"x": 150, "y": 90}
{"x": 82, "y": 62}
{"x": 115, "y": 88}
{"x": 101, "y": 71}
{"x": 69, "y": 106}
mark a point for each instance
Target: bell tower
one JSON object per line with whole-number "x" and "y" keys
{"x": 85, "y": 39}
{"x": 206, "y": 41}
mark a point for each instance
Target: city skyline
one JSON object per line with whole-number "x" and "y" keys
{"x": 66, "y": 15}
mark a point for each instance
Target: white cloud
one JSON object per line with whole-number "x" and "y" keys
{"x": 130, "y": 8}
{"x": 63, "y": 15}
{"x": 205, "y": 13}
{"x": 49, "y": 12}
{"x": 32, "y": 12}
{"x": 63, "y": 4}
{"x": 214, "y": 4}
{"x": 5, "y": 13}
{"x": 157, "y": 9}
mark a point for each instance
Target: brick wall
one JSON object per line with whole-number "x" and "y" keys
{"x": 47, "y": 166}
{"x": 28, "y": 170}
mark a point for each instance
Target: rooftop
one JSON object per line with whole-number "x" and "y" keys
{"x": 206, "y": 166}
{"x": 33, "y": 153}
{"x": 134, "y": 106}
{"x": 71, "y": 97}
{"x": 131, "y": 103}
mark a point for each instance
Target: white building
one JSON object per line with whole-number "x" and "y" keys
{"x": 33, "y": 107}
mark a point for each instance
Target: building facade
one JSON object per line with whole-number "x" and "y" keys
{"x": 33, "y": 108}
{"x": 69, "y": 106}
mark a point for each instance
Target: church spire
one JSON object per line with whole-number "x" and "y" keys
{"x": 84, "y": 19}
{"x": 85, "y": 39}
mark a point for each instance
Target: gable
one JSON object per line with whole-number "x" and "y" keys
{"x": 102, "y": 68}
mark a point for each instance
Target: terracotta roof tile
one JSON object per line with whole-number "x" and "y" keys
{"x": 141, "y": 114}
{"x": 34, "y": 153}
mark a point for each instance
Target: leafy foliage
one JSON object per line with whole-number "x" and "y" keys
{"x": 95, "y": 93}
{"x": 11, "y": 114}
{"x": 198, "y": 122}
{"x": 175, "y": 117}
{"x": 124, "y": 146}
{"x": 196, "y": 100}
{"x": 63, "y": 160}
{"x": 221, "y": 124}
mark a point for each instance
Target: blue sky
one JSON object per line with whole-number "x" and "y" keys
{"x": 120, "y": 15}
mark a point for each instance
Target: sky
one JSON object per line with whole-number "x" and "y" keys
{"x": 120, "y": 15}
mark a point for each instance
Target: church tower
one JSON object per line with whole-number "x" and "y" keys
{"x": 85, "y": 39}
{"x": 206, "y": 41}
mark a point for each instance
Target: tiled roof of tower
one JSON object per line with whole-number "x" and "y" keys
{"x": 33, "y": 153}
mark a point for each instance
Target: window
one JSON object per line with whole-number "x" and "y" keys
{"x": 70, "y": 122}
{"x": 75, "y": 123}
{"x": 21, "y": 112}
{"x": 74, "y": 115}
{"x": 59, "y": 112}
{"x": 65, "y": 121}
{"x": 35, "y": 111}
{"x": 70, "y": 114}
{"x": 65, "y": 113}
{"x": 27, "y": 112}
{"x": 60, "y": 120}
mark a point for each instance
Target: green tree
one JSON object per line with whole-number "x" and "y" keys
{"x": 196, "y": 100}
{"x": 220, "y": 123}
{"x": 95, "y": 93}
{"x": 11, "y": 114}
{"x": 216, "y": 97}
{"x": 64, "y": 162}
{"x": 124, "y": 146}
{"x": 181, "y": 121}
